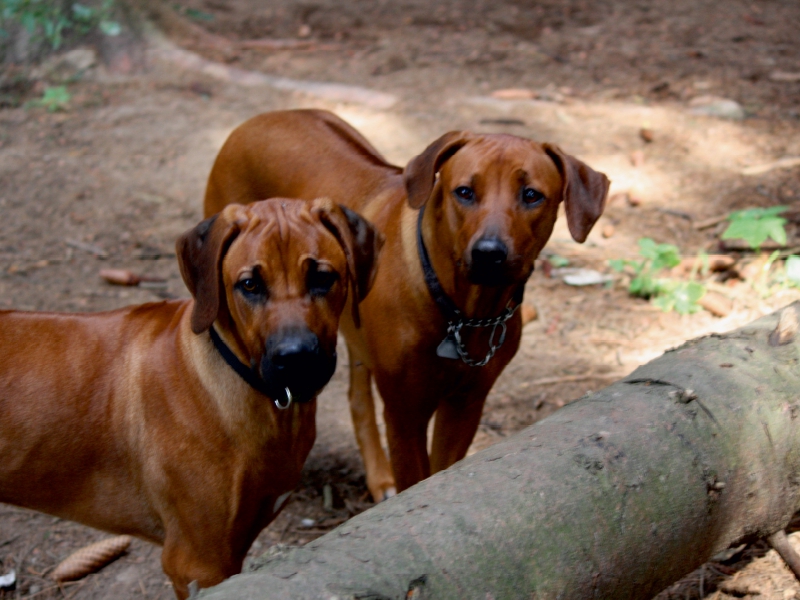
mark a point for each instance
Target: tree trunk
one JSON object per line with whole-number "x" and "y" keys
{"x": 617, "y": 495}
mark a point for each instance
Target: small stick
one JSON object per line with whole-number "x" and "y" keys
{"x": 90, "y": 248}
{"x": 780, "y": 543}
{"x": 706, "y": 223}
{"x": 787, "y": 162}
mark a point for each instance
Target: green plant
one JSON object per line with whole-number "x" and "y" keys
{"x": 668, "y": 294}
{"x": 656, "y": 258}
{"x": 52, "y": 18}
{"x": 792, "y": 270}
{"x": 680, "y": 296}
{"x": 558, "y": 261}
{"x": 53, "y": 99}
{"x": 755, "y": 225}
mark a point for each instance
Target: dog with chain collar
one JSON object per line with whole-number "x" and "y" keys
{"x": 463, "y": 222}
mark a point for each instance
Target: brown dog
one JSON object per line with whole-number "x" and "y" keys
{"x": 463, "y": 224}
{"x": 131, "y": 421}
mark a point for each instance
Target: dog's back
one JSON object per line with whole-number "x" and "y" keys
{"x": 292, "y": 154}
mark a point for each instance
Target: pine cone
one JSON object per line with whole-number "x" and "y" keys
{"x": 91, "y": 558}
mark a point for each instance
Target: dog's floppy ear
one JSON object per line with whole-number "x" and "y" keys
{"x": 584, "y": 192}
{"x": 200, "y": 252}
{"x": 361, "y": 243}
{"x": 420, "y": 173}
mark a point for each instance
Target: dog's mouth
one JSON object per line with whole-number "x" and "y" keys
{"x": 489, "y": 262}
{"x": 498, "y": 277}
{"x": 502, "y": 274}
{"x": 295, "y": 368}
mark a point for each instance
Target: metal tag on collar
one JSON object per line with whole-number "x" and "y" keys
{"x": 448, "y": 348}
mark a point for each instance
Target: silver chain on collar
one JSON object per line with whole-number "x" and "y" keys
{"x": 495, "y": 341}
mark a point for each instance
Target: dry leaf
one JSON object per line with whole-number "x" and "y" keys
{"x": 717, "y": 304}
{"x": 786, "y": 330}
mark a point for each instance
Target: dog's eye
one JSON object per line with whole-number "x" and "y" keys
{"x": 252, "y": 287}
{"x": 531, "y": 197}
{"x": 320, "y": 282}
{"x": 464, "y": 194}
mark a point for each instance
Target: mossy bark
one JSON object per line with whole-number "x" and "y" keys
{"x": 617, "y": 495}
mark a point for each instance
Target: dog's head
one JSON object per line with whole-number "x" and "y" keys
{"x": 497, "y": 197}
{"x": 275, "y": 276}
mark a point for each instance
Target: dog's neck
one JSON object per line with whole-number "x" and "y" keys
{"x": 473, "y": 301}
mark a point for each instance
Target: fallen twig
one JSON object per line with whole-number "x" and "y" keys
{"x": 787, "y": 162}
{"x": 706, "y": 223}
{"x": 90, "y": 248}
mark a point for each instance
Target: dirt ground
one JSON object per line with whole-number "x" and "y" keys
{"x": 111, "y": 181}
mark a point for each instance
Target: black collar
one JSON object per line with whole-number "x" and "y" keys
{"x": 249, "y": 374}
{"x": 446, "y": 305}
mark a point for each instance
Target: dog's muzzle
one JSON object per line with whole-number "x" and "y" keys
{"x": 294, "y": 360}
{"x": 488, "y": 262}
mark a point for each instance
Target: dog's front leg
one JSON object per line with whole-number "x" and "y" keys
{"x": 457, "y": 421}
{"x": 362, "y": 409}
{"x": 406, "y": 431}
{"x": 197, "y": 557}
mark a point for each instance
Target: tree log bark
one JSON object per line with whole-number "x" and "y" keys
{"x": 616, "y": 495}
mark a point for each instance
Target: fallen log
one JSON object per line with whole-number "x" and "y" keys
{"x": 617, "y": 495}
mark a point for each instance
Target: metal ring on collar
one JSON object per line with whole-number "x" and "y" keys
{"x": 288, "y": 400}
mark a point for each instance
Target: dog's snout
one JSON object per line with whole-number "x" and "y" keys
{"x": 294, "y": 359}
{"x": 489, "y": 252}
{"x": 489, "y": 262}
{"x": 292, "y": 351}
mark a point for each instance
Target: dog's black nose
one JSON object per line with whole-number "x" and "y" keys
{"x": 293, "y": 351}
{"x": 489, "y": 252}
{"x": 295, "y": 360}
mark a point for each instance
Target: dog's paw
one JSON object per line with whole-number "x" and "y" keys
{"x": 388, "y": 493}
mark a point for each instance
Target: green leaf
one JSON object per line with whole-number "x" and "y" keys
{"x": 558, "y": 261}
{"x": 82, "y": 12}
{"x": 617, "y": 264}
{"x": 748, "y": 230}
{"x": 755, "y": 225}
{"x": 667, "y": 256}
{"x": 665, "y": 303}
{"x": 775, "y": 229}
{"x": 686, "y": 295}
{"x": 198, "y": 15}
{"x": 793, "y": 270}
{"x": 749, "y": 214}
{"x": 55, "y": 98}
{"x": 28, "y": 21}
{"x": 647, "y": 248}
{"x": 110, "y": 28}
{"x": 643, "y": 285}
